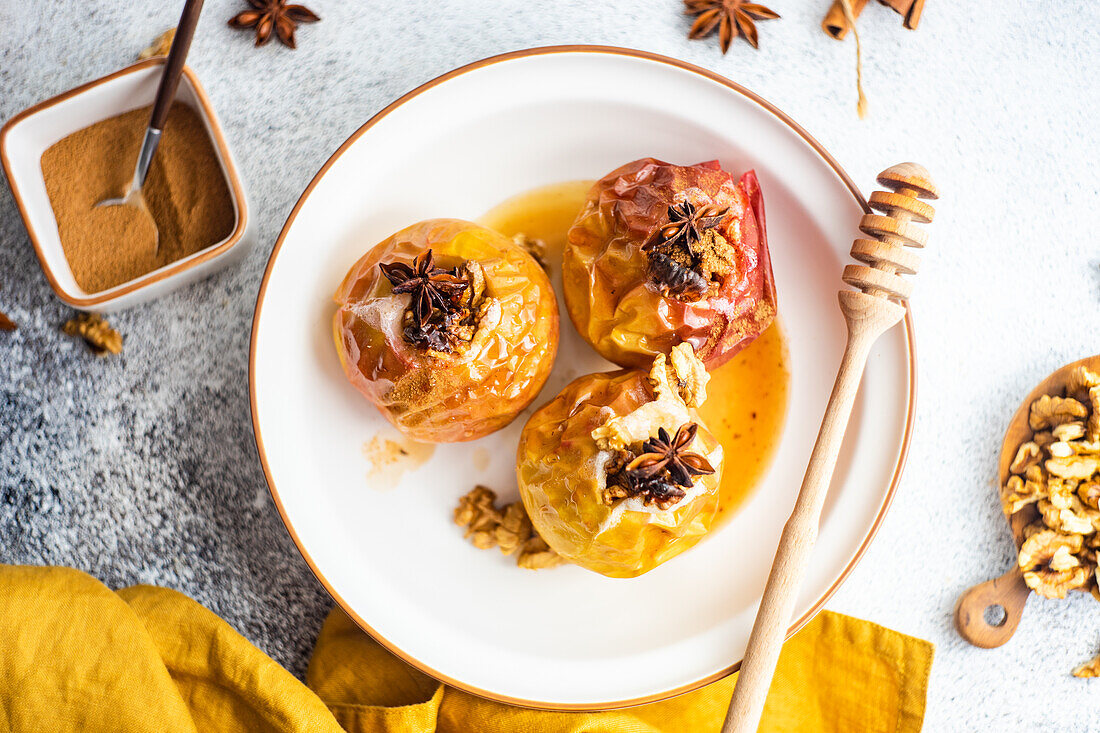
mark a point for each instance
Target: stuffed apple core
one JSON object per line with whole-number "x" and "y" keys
{"x": 618, "y": 473}
{"x": 664, "y": 254}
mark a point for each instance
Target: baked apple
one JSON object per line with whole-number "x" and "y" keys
{"x": 618, "y": 473}
{"x": 449, "y": 328}
{"x": 665, "y": 254}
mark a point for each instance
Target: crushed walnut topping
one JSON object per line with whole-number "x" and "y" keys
{"x": 96, "y": 332}
{"x": 445, "y": 307}
{"x": 682, "y": 374}
{"x": 679, "y": 381}
{"x": 1058, "y": 471}
{"x": 508, "y": 528}
{"x": 688, "y": 257}
{"x": 658, "y": 471}
{"x": 647, "y": 460}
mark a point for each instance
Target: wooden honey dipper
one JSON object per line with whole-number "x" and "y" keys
{"x": 869, "y": 311}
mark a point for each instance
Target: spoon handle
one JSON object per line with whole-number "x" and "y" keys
{"x": 173, "y": 67}
{"x": 1009, "y": 592}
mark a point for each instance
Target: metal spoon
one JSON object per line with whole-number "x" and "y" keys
{"x": 166, "y": 92}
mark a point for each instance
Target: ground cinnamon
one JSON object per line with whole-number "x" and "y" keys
{"x": 186, "y": 193}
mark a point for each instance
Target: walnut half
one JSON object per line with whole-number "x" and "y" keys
{"x": 1050, "y": 563}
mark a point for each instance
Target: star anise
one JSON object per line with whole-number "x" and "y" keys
{"x": 731, "y": 17}
{"x": 267, "y": 16}
{"x": 687, "y": 222}
{"x": 432, "y": 288}
{"x": 673, "y": 254}
{"x": 664, "y": 456}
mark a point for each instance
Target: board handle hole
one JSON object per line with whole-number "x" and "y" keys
{"x": 995, "y": 615}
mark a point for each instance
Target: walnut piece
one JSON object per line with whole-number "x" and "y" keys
{"x": 680, "y": 376}
{"x": 160, "y": 45}
{"x": 509, "y": 529}
{"x": 475, "y": 512}
{"x": 1090, "y": 668}
{"x": 1026, "y": 456}
{"x": 1019, "y": 492}
{"x": 1089, "y": 493}
{"x": 679, "y": 382}
{"x": 1092, "y": 430}
{"x": 1080, "y": 381}
{"x": 1068, "y": 431}
{"x": 6, "y": 324}
{"x": 1073, "y": 467}
{"x": 1049, "y": 412}
{"x": 1049, "y": 563}
{"x": 101, "y": 338}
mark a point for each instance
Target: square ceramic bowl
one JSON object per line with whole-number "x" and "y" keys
{"x": 29, "y": 134}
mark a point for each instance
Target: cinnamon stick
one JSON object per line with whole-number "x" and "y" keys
{"x": 912, "y": 18}
{"x": 835, "y": 24}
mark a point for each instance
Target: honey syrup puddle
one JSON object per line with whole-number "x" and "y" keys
{"x": 747, "y": 396}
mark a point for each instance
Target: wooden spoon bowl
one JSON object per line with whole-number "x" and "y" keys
{"x": 1009, "y": 591}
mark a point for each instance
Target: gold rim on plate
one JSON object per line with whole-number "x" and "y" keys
{"x": 393, "y": 648}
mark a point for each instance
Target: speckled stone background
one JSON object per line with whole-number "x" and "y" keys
{"x": 142, "y": 468}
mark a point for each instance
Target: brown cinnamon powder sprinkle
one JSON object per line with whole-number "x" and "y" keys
{"x": 186, "y": 193}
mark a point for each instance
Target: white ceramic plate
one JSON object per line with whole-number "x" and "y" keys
{"x": 567, "y": 638}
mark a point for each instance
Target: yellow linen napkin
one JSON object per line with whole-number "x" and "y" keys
{"x": 75, "y": 656}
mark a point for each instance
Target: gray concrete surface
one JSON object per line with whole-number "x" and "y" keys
{"x": 142, "y": 468}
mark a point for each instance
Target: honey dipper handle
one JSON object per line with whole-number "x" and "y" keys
{"x": 867, "y": 317}
{"x": 1010, "y": 592}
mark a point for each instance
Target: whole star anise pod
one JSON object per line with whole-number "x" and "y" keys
{"x": 273, "y": 15}
{"x": 668, "y": 457}
{"x": 686, "y": 223}
{"x": 731, "y": 17}
{"x": 432, "y": 288}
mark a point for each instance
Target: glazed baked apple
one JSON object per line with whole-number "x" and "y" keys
{"x": 449, "y": 328}
{"x": 665, "y": 254}
{"x": 618, "y": 473}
